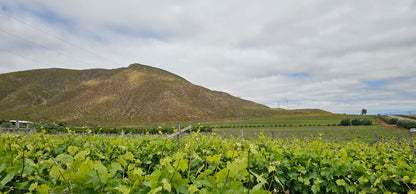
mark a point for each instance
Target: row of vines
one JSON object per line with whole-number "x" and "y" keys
{"x": 205, "y": 164}
{"x": 53, "y": 129}
{"x": 402, "y": 123}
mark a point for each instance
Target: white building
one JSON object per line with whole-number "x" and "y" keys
{"x": 17, "y": 124}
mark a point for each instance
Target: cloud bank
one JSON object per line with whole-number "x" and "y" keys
{"x": 340, "y": 56}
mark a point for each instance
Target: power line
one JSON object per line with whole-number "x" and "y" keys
{"x": 57, "y": 37}
{"x": 21, "y": 56}
{"x": 45, "y": 47}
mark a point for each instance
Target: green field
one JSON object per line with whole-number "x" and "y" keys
{"x": 330, "y": 133}
{"x": 279, "y": 155}
{"x": 310, "y": 128}
{"x": 290, "y": 121}
{"x": 69, "y": 163}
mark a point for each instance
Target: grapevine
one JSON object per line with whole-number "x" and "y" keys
{"x": 206, "y": 164}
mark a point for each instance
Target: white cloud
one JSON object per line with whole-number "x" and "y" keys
{"x": 313, "y": 54}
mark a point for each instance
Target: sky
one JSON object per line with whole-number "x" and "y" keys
{"x": 339, "y": 56}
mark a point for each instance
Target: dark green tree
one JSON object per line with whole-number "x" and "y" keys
{"x": 356, "y": 122}
{"x": 366, "y": 122}
{"x": 363, "y": 111}
{"x": 346, "y": 122}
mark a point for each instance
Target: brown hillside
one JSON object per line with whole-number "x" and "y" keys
{"x": 132, "y": 95}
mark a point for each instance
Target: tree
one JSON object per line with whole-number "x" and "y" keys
{"x": 356, "y": 122}
{"x": 364, "y": 111}
{"x": 366, "y": 122}
{"x": 346, "y": 122}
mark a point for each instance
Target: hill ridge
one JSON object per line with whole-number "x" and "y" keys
{"x": 136, "y": 94}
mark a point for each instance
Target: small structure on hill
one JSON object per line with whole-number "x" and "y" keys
{"x": 20, "y": 124}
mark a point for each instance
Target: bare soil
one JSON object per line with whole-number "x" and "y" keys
{"x": 381, "y": 122}
{"x": 402, "y": 118}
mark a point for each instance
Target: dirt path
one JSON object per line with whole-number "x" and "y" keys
{"x": 402, "y": 118}
{"x": 381, "y": 122}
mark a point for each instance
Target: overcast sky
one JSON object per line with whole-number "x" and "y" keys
{"x": 340, "y": 56}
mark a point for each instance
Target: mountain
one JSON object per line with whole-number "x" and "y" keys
{"x": 137, "y": 94}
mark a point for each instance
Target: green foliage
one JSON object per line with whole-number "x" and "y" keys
{"x": 366, "y": 122}
{"x": 406, "y": 124}
{"x": 288, "y": 120}
{"x": 392, "y": 121}
{"x": 60, "y": 128}
{"x": 61, "y": 124}
{"x": 357, "y": 121}
{"x": 408, "y": 116}
{"x": 345, "y": 122}
{"x": 363, "y": 111}
{"x": 206, "y": 164}
{"x": 336, "y": 133}
{"x": 402, "y": 123}
{"x": 4, "y": 124}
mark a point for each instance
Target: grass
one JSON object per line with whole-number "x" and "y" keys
{"x": 320, "y": 120}
{"x": 307, "y": 123}
{"x": 304, "y": 128}
{"x": 308, "y": 128}
{"x": 329, "y": 133}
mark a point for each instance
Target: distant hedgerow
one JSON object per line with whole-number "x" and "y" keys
{"x": 356, "y": 122}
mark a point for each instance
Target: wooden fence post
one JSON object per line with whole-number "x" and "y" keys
{"x": 242, "y": 133}
{"x": 179, "y": 136}
{"x": 411, "y": 144}
{"x": 398, "y": 140}
{"x": 293, "y": 139}
{"x": 375, "y": 136}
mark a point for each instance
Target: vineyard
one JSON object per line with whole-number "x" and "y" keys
{"x": 290, "y": 121}
{"x": 206, "y": 163}
{"x": 368, "y": 134}
{"x": 402, "y": 123}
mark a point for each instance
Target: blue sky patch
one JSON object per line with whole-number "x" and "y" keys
{"x": 139, "y": 32}
{"x": 46, "y": 15}
{"x": 376, "y": 83}
{"x": 4, "y": 8}
{"x": 299, "y": 75}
